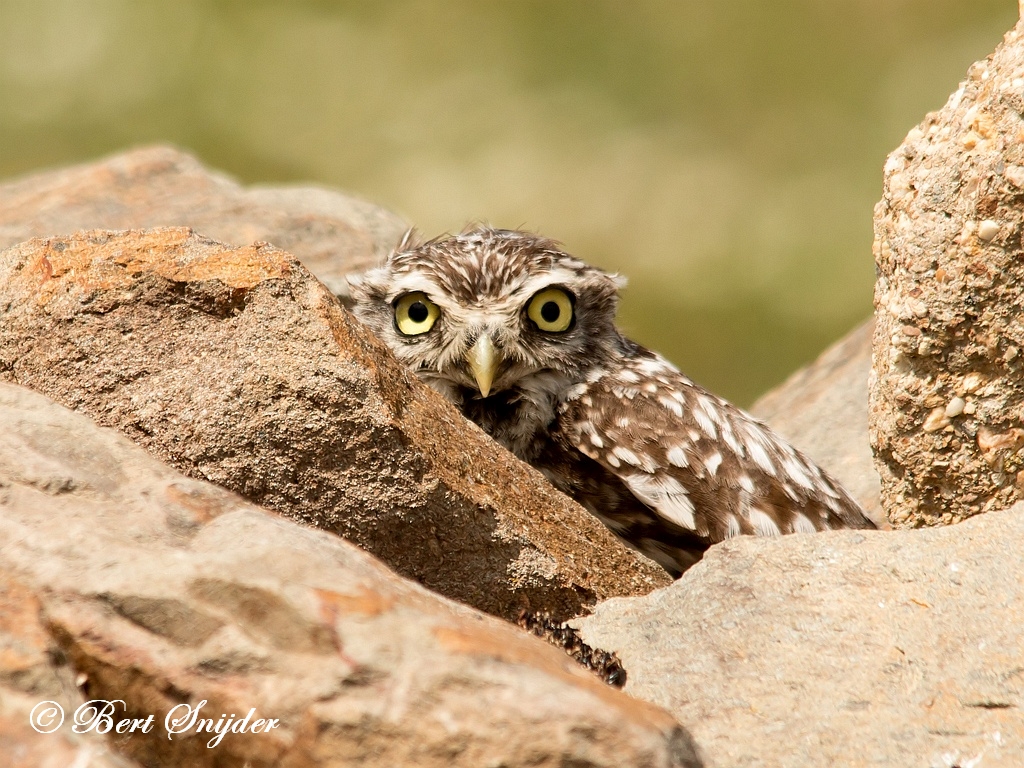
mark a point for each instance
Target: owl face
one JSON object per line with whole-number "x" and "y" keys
{"x": 490, "y": 311}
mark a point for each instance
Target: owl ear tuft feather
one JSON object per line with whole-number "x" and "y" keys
{"x": 371, "y": 284}
{"x": 411, "y": 239}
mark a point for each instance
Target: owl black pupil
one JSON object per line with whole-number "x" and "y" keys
{"x": 550, "y": 311}
{"x": 418, "y": 312}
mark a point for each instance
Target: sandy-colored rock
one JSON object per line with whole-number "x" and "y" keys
{"x": 948, "y": 400}
{"x": 163, "y": 591}
{"x": 823, "y": 409}
{"x": 331, "y": 233}
{"x": 851, "y": 648}
{"x": 34, "y": 676}
{"x": 235, "y": 365}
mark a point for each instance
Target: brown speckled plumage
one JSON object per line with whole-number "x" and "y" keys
{"x": 663, "y": 463}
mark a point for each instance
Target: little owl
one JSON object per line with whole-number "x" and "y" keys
{"x": 521, "y": 337}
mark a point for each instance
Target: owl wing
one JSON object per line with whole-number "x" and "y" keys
{"x": 697, "y": 461}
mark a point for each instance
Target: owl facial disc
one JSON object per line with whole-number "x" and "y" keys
{"x": 483, "y": 361}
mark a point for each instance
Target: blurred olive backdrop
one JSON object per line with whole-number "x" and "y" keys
{"x": 724, "y": 154}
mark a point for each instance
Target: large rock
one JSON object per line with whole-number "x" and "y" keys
{"x": 851, "y": 648}
{"x": 166, "y": 592}
{"x": 946, "y": 408}
{"x": 331, "y": 233}
{"x": 237, "y": 366}
{"x": 823, "y": 409}
{"x": 32, "y": 680}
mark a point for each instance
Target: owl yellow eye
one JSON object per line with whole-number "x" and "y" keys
{"x": 415, "y": 314}
{"x": 551, "y": 310}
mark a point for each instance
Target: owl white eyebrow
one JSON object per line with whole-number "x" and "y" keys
{"x": 547, "y": 279}
{"x": 414, "y": 282}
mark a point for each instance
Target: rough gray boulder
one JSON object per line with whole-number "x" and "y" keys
{"x": 235, "y": 365}
{"x": 122, "y": 580}
{"x": 948, "y": 400}
{"x": 851, "y": 648}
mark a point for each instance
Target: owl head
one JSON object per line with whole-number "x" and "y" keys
{"x": 490, "y": 310}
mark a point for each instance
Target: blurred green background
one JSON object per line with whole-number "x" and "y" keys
{"x": 724, "y": 154}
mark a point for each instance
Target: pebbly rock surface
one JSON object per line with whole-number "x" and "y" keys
{"x": 237, "y": 366}
{"x": 160, "y": 186}
{"x": 851, "y": 648}
{"x": 823, "y": 409}
{"x": 947, "y": 405}
{"x": 122, "y": 580}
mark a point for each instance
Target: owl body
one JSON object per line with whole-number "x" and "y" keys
{"x": 520, "y": 336}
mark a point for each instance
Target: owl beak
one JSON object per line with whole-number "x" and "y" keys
{"x": 483, "y": 362}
